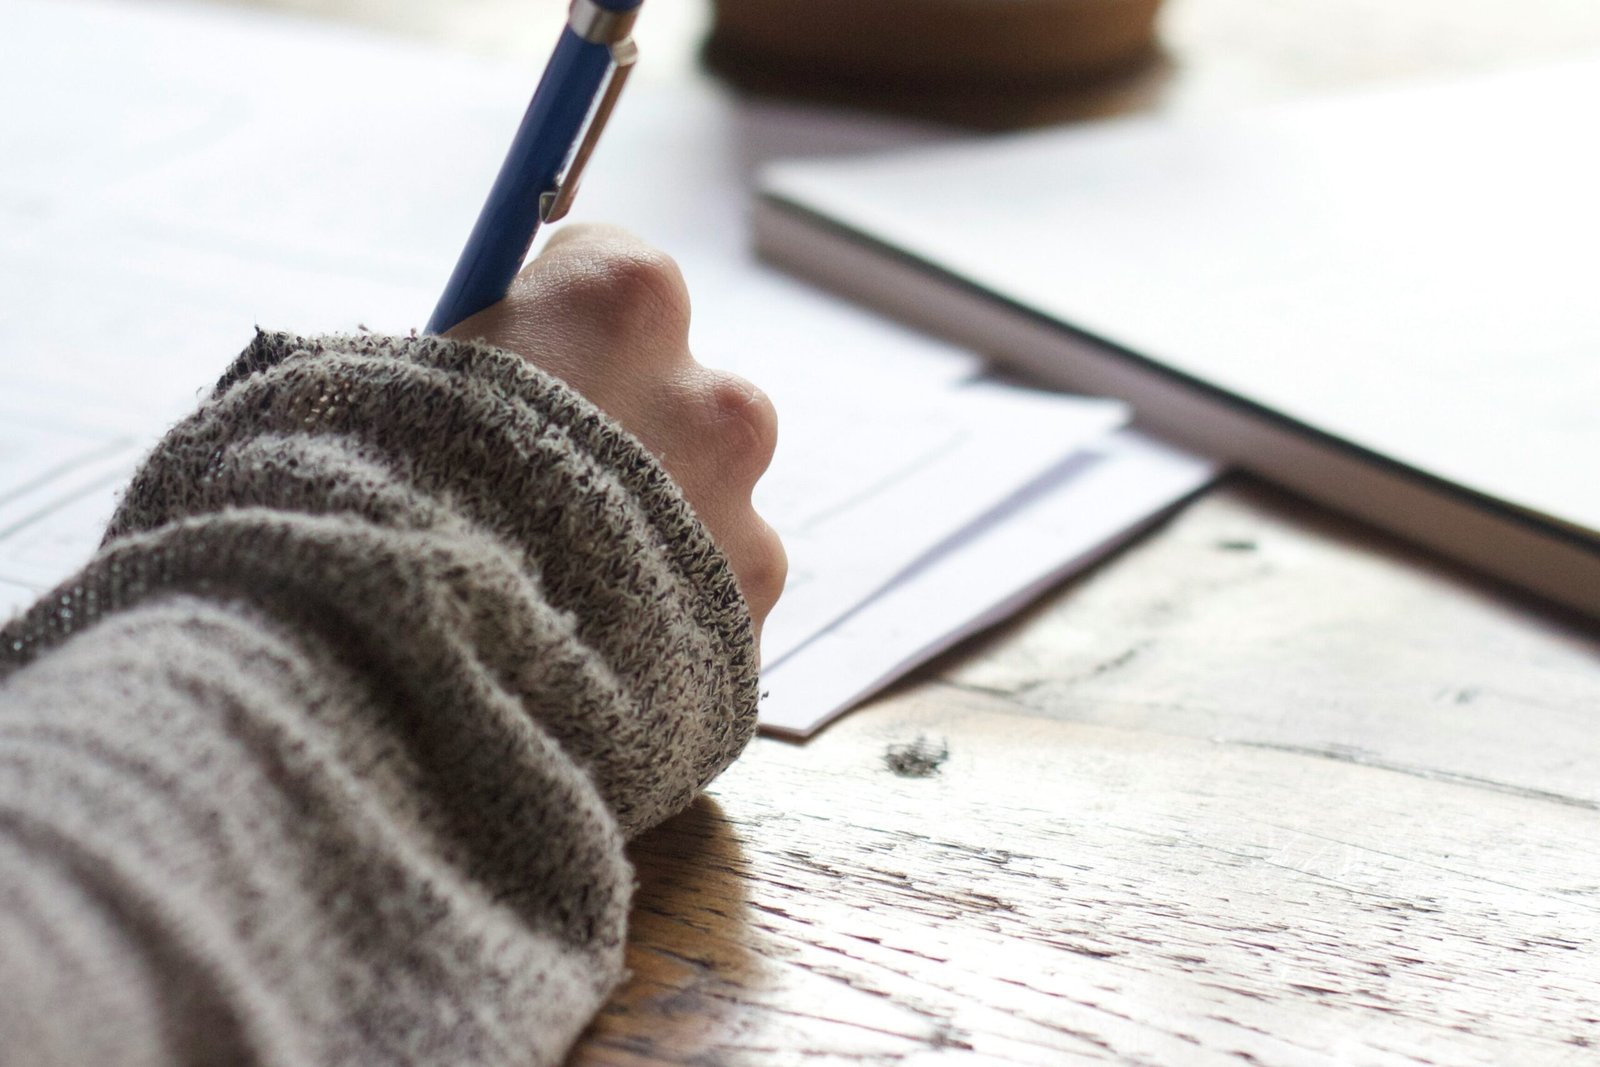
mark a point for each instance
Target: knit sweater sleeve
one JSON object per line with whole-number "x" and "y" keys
{"x": 330, "y": 754}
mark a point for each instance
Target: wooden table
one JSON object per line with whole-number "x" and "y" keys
{"x": 1267, "y": 787}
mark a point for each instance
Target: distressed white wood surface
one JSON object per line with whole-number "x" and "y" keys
{"x": 1276, "y": 624}
{"x": 1234, "y": 844}
{"x": 1267, "y": 788}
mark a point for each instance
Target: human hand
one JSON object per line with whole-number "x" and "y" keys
{"x": 609, "y": 315}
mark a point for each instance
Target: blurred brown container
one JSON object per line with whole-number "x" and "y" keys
{"x": 891, "y": 51}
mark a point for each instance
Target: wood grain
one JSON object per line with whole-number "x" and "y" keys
{"x": 1266, "y": 788}
{"x": 1128, "y": 856}
{"x": 1267, "y": 621}
{"x": 1128, "y": 896}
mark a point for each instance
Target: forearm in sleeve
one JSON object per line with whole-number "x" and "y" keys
{"x": 329, "y": 756}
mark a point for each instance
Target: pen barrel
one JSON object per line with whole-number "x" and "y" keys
{"x": 509, "y": 219}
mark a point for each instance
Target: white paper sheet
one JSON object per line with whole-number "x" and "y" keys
{"x": 1076, "y": 513}
{"x": 60, "y": 469}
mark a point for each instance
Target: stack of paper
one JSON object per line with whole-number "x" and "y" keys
{"x": 195, "y": 175}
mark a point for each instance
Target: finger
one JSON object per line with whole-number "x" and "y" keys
{"x": 760, "y": 565}
{"x": 716, "y": 434}
{"x": 610, "y": 283}
{"x": 597, "y": 233}
{"x": 754, "y": 551}
{"x": 741, "y": 427}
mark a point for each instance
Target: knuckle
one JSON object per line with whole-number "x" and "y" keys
{"x": 635, "y": 288}
{"x": 767, "y": 571}
{"x": 743, "y": 420}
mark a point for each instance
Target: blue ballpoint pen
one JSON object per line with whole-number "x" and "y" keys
{"x": 540, "y": 174}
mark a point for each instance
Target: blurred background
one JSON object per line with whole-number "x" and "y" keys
{"x": 1204, "y": 54}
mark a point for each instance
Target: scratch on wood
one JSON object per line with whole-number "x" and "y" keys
{"x": 1118, "y": 661}
{"x": 1344, "y": 754}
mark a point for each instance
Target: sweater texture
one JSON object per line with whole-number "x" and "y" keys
{"x": 330, "y": 754}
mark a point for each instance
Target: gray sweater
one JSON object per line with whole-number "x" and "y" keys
{"x": 329, "y": 756}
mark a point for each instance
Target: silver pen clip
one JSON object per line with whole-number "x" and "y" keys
{"x": 597, "y": 25}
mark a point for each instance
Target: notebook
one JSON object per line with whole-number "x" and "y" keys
{"x": 1389, "y": 302}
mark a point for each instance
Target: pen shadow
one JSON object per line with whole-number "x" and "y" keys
{"x": 689, "y": 965}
